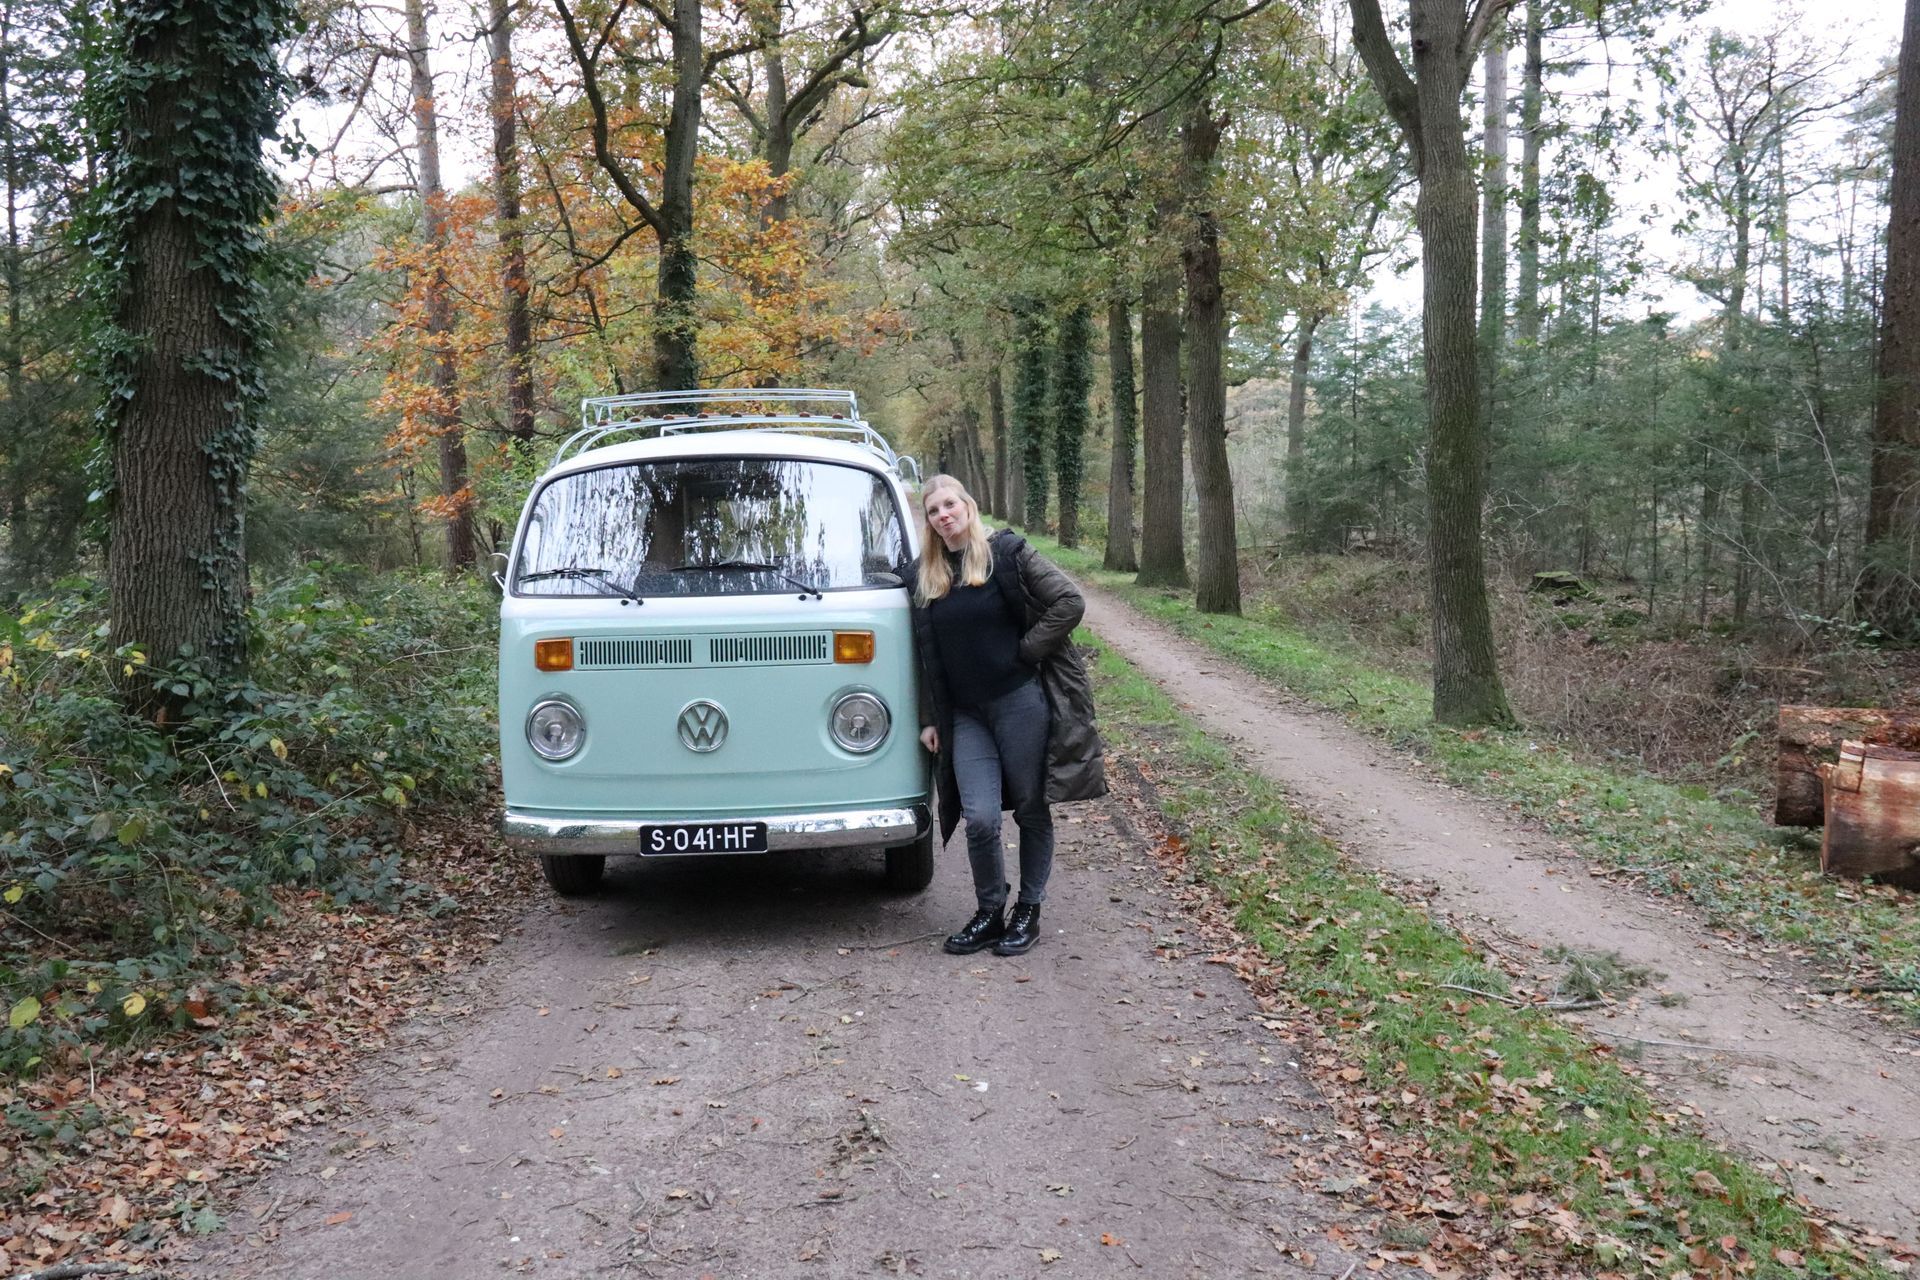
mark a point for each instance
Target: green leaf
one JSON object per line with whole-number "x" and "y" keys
{"x": 24, "y": 1010}
{"x": 130, "y": 833}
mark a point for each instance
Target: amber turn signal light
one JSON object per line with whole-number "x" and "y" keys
{"x": 553, "y": 655}
{"x": 853, "y": 646}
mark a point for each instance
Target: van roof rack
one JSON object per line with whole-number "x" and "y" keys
{"x": 799, "y": 410}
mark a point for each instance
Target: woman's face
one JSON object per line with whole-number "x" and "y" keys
{"x": 948, "y": 516}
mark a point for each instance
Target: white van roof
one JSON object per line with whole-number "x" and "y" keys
{"x": 744, "y": 442}
{"x": 749, "y": 421}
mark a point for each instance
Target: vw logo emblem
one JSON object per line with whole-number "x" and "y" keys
{"x": 703, "y": 727}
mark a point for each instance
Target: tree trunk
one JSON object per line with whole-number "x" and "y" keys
{"x": 10, "y": 353}
{"x": 518, "y": 322}
{"x": 779, "y": 140}
{"x": 1526, "y": 310}
{"x": 1889, "y": 592}
{"x": 1811, "y": 736}
{"x": 1030, "y": 414}
{"x": 976, "y": 456}
{"x": 675, "y": 361}
{"x": 971, "y": 462}
{"x": 1003, "y": 500}
{"x": 1297, "y": 420}
{"x": 1709, "y": 523}
{"x": 1217, "y": 580}
{"x": 1073, "y": 377}
{"x": 455, "y": 495}
{"x": 1466, "y": 674}
{"x": 184, "y": 360}
{"x": 1126, "y": 432}
{"x": 1163, "y": 556}
{"x": 1744, "y": 430}
{"x": 1493, "y": 227}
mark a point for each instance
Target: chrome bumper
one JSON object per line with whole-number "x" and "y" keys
{"x": 531, "y": 833}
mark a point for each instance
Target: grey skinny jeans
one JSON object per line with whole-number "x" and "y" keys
{"x": 1000, "y": 750}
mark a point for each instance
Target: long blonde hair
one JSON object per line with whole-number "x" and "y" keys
{"x": 976, "y": 558}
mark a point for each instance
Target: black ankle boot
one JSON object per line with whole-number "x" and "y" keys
{"x": 1022, "y": 931}
{"x": 982, "y": 931}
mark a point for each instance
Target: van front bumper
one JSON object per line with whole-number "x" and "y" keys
{"x": 534, "y": 833}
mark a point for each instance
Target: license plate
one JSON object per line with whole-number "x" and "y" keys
{"x": 704, "y": 837}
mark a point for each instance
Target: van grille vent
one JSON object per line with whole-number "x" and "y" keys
{"x": 671, "y": 651}
{"x": 814, "y": 646}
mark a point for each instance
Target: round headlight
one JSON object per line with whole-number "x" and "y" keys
{"x": 555, "y": 730}
{"x": 859, "y": 722}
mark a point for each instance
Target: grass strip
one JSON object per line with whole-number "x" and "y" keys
{"x": 1511, "y": 1103}
{"x": 1746, "y": 876}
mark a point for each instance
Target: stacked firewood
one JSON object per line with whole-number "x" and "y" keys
{"x": 1855, "y": 772}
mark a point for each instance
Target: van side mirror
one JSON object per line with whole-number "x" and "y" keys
{"x": 499, "y": 571}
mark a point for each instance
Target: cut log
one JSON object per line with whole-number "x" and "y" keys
{"x": 1811, "y": 737}
{"x": 1873, "y": 815}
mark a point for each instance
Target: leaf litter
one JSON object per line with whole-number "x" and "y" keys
{"x": 121, "y": 1155}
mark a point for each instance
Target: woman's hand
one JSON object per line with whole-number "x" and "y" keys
{"x": 930, "y": 739}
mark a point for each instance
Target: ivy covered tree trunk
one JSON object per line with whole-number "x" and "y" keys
{"x": 1426, "y": 105}
{"x": 1163, "y": 554}
{"x": 1126, "y": 437}
{"x": 1030, "y": 414}
{"x": 1073, "y": 378}
{"x": 1889, "y": 591}
{"x": 1217, "y": 578}
{"x": 194, "y": 89}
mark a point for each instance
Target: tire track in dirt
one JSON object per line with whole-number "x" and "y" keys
{"x": 1824, "y": 1094}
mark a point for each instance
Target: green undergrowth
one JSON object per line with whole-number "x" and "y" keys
{"x": 1746, "y": 877}
{"x": 132, "y": 857}
{"x": 1510, "y": 1102}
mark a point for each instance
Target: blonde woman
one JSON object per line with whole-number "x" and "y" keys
{"x": 1006, "y": 707}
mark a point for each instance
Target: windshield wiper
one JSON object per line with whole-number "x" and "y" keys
{"x": 577, "y": 572}
{"x": 753, "y": 566}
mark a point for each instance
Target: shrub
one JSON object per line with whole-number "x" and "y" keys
{"x": 130, "y": 856}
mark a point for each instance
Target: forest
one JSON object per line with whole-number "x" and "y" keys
{"x": 1562, "y": 356}
{"x": 1673, "y": 325}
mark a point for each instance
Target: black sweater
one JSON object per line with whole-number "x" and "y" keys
{"x": 977, "y": 641}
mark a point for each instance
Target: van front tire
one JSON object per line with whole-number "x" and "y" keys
{"x": 910, "y": 866}
{"x": 573, "y": 874}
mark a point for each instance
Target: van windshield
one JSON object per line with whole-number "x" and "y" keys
{"x": 711, "y": 526}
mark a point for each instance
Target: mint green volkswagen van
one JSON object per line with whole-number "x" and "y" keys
{"x": 704, "y": 640}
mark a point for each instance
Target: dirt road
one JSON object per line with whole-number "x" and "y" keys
{"x": 760, "y": 1068}
{"x": 767, "y": 1067}
{"x": 1829, "y": 1096}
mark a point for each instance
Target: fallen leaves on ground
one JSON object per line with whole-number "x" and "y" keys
{"x": 117, "y": 1159}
